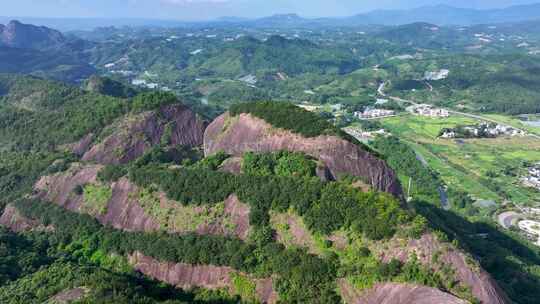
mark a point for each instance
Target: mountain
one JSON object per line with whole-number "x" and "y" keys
{"x": 436, "y": 14}
{"x": 448, "y": 15}
{"x": 143, "y": 201}
{"x": 42, "y": 51}
{"x": 27, "y": 36}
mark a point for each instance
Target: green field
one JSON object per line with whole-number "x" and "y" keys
{"x": 485, "y": 168}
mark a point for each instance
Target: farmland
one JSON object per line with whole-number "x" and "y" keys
{"x": 488, "y": 169}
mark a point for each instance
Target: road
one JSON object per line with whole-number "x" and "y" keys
{"x": 380, "y": 90}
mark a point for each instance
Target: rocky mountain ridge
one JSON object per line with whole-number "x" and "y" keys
{"x": 237, "y": 135}
{"x": 128, "y": 208}
{"x": 19, "y": 35}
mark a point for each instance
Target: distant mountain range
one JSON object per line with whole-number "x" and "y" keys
{"x": 41, "y": 51}
{"x": 438, "y": 14}
{"x": 19, "y": 35}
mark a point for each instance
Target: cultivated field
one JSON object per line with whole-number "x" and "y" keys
{"x": 485, "y": 168}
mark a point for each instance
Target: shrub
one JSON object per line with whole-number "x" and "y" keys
{"x": 152, "y": 100}
{"x": 112, "y": 173}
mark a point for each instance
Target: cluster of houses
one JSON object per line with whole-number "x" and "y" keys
{"x": 428, "y": 111}
{"x": 533, "y": 177}
{"x": 483, "y": 130}
{"x": 374, "y": 113}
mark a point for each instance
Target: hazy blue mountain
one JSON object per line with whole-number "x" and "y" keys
{"x": 438, "y": 14}
{"x": 19, "y": 35}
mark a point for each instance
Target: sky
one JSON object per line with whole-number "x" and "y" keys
{"x": 190, "y": 10}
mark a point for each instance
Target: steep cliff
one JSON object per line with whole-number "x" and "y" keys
{"x": 393, "y": 293}
{"x": 243, "y": 133}
{"x": 130, "y": 208}
{"x": 205, "y": 276}
{"x": 467, "y": 271}
{"x": 13, "y": 220}
{"x": 130, "y": 138}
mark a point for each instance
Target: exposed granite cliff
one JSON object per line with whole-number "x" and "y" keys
{"x": 236, "y": 135}
{"x": 206, "y": 276}
{"x": 134, "y": 135}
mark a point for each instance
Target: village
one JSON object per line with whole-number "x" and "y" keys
{"x": 481, "y": 130}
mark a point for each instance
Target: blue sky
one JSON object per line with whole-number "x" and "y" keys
{"x": 208, "y": 9}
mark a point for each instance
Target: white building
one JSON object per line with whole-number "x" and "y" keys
{"x": 374, "y": 113}
{"x": 429, "y": 111}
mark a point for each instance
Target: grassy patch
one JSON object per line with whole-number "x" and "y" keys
{"x": 245, "y": 287}
{"x": 173, "y": 215}
{"x": 96, "y": 198}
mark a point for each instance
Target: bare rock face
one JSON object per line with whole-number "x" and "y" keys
{"x": 236, "y": 135}
{"x": 238, "y": 213}
{"x": 467, "y": 271}
{"x": 189, "y": 276}
{"x": 60, "y": 188}
{"x": 14, "y": 221}
{"x": 70, "y": 295}
{"x": 392, "y": 293}
{"x": 173, "y": 124}
{"x": 232, "y": 165}
{"x": 123, "y": 210}
{"x": 82, "y": 146}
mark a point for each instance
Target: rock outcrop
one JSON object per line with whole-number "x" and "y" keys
{"x": 70, "y": 296}
{"x": 125, "y": 208}
{"x": 19, "y": 35}
{"x": 467, "y": 271}
{"x": 16, "y": 222}
{"x": 205, "y": 276}
{"x": 393, "y": 293}
{"x": 243, "y": 133}
{"x": 134, "y": 135}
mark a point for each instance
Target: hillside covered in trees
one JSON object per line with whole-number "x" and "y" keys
{"x": 274, "y": 230}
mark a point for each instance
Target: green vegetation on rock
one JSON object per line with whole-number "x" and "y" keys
{"x": 96, "y": 199}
